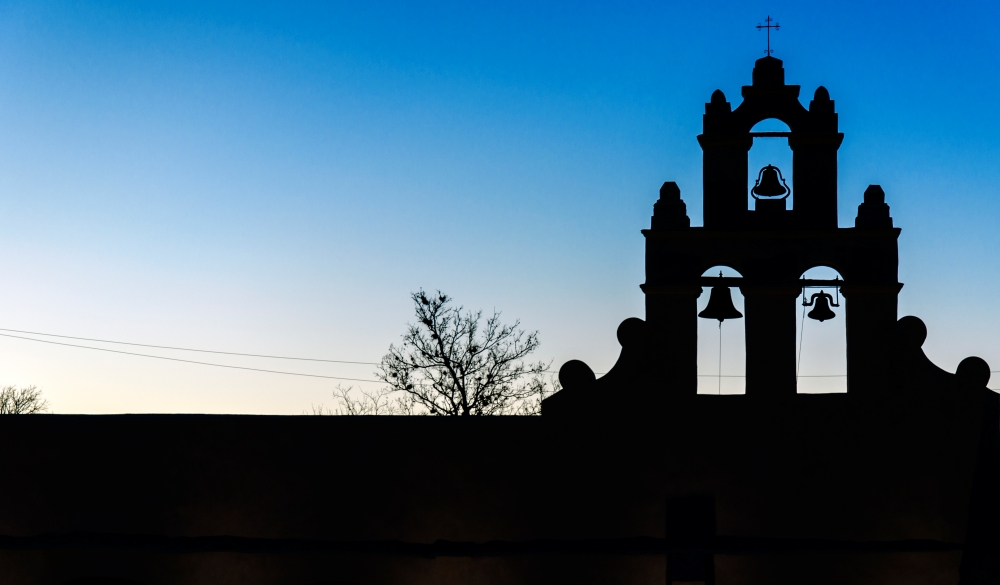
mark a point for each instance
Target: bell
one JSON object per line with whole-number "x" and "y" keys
{"x": 720, "y": 305}
{"x": 767, "y": 184}
{"x": 822, "y": 310}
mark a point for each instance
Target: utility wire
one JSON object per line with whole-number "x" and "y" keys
{"x": 160, "y": 357}
{"x": 278, "y": 357}
{"x": 274, "y": 357}
{"x": 257, "y": 355}
{"x": 744, "y": 376}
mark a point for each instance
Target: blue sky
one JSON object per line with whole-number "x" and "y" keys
{"x": 276, "y": 179}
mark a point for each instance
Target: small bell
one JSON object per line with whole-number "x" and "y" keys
{"x": 768, "y": 184}
{"x": 720, "y": 305}
{"x": 822, "y": 310}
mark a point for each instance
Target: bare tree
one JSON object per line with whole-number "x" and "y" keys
{"x": 383, "y": 401}
{"x": 453, "y": 363}
{"x": 27, "y": 400}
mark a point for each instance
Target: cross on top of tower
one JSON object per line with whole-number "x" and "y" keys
{"x": 768, "y": 28}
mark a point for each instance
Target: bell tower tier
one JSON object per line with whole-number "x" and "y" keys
{"x": 813, "y": 138}
{"x": 771, "y": 246}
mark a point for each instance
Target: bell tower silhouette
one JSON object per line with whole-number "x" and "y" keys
{"x": 771, "y": 245}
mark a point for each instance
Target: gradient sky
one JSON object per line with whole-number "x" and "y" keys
{"x": 269, "y": 178}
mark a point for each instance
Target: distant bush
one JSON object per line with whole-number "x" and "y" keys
{"x": 27, "y": 400}
{"x": 383, "y": 401}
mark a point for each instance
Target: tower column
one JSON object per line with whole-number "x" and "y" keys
{"x": 814, "y": 167}
{"x": 672, "y": 313}
{"x": 724, "y": 176}
{"x": 770, "y": 339}
{"x": 871, "y": 322}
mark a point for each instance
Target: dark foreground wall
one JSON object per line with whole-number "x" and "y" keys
{"x": 897, "y": 486}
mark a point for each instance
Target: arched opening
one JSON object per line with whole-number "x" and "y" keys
{"x": 721, "y": 344}
{"x": 821, "y": 345}
{"x": 770, "y": 150}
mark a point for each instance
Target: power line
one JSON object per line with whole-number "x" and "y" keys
{"x": 219, "y": 352}
{"x": 160, "y": 357}
{"x": 274, "y": 357}
{"x": 744, "y": 376}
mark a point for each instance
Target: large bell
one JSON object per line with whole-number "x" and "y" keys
{"x": 720, "y": 305}
{"x": 768, "y": 184}
{"x": 822, "y": 311}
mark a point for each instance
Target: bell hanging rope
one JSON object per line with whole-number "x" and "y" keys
{"x": 822, "y": 311}
{"x": 768, "y": 184}
{"x": 720, "y": 305}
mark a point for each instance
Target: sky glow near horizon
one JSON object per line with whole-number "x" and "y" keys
{"x": 256, "y": 178}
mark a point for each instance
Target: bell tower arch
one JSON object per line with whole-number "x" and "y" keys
{"x": 772, "y": 245}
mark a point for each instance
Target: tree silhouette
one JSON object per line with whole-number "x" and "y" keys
{"x": 27, "y": 400}
{"x": 454, "y": 363}
{"x": 382, "y": 401}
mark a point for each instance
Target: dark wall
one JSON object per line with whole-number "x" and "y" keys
{"x": 834, "y": 467}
